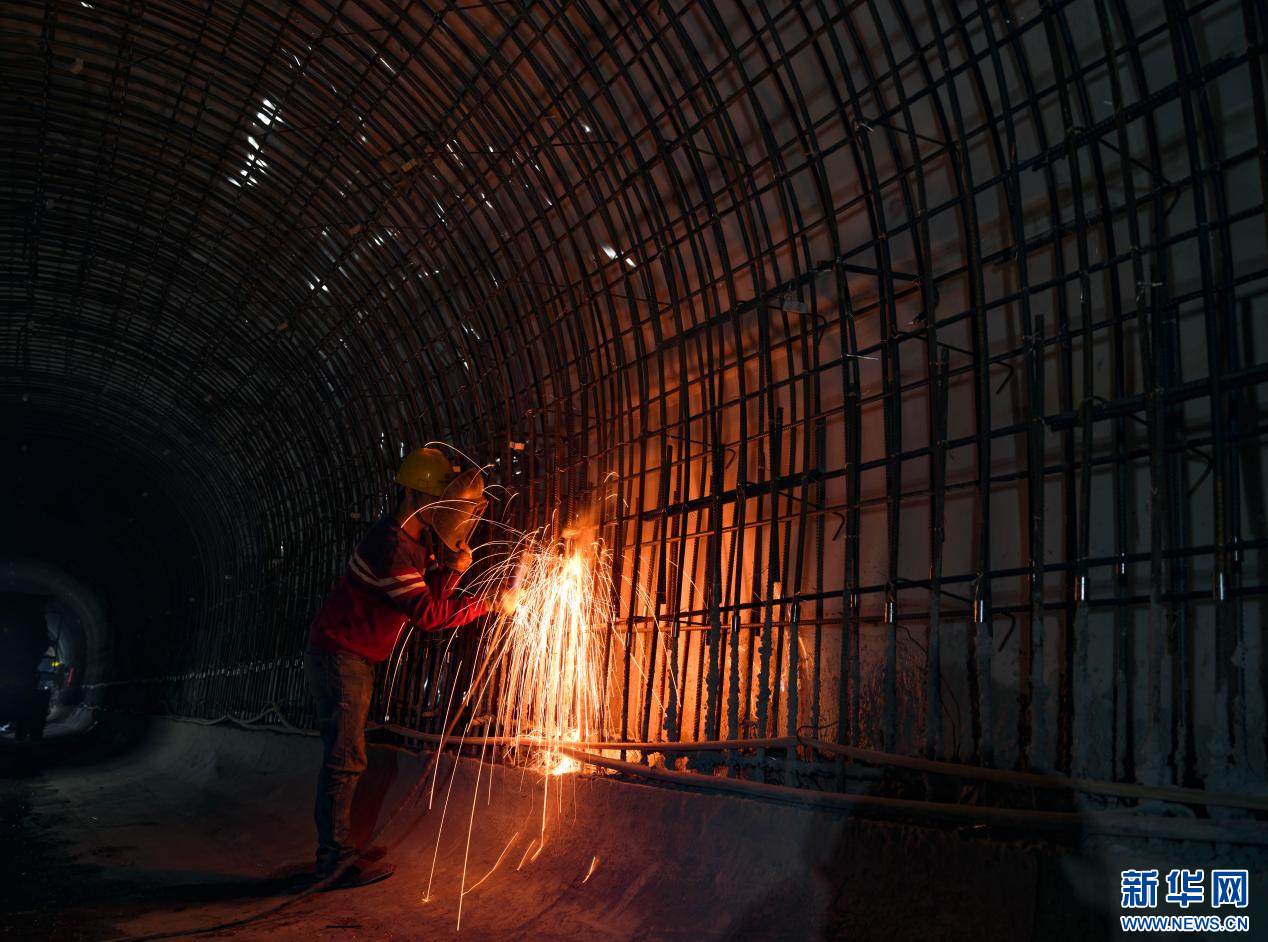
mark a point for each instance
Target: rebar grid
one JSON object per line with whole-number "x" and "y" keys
{"x": 906, "y": 354}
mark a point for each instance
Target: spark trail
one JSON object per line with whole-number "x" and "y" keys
{"x": 544, "y": 667}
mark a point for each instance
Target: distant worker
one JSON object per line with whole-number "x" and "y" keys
{"x": 23, "y": 642}
{"x": 406, "y": 569}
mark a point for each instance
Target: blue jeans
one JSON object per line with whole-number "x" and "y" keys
{"x": 342, "y": 684}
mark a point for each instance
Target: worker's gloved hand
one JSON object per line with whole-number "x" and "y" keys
{"x": 458, "y": 560}
{"x": 509, "y": 601}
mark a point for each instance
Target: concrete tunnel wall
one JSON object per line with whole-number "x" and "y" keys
{"x": 905, "y": 355}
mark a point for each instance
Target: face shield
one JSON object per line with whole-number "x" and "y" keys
{"x": 454, "y": 514}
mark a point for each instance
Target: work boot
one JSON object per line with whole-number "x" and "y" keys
{"x": 362, "y": 875}
{"x": 297, "y": 882}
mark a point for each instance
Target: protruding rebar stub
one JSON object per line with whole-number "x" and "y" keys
{"x": 979, "y": 607}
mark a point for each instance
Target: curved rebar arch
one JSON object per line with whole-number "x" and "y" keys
{"x": 910, "y": 351}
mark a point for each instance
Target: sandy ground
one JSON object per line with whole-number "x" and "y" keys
{"x": 197, "y": 825}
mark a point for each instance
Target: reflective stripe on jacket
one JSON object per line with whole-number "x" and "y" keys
{"x": 390, "y": 581}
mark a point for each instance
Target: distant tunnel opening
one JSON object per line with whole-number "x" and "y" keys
{"x": 98, "y": 537}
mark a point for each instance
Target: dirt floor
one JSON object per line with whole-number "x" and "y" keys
{"x": 165, "y": 826}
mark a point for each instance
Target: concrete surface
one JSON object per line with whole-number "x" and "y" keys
{"x": 171, "y": 825}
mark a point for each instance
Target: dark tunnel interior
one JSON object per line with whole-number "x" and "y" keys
{"x": 903, "y": 357}
{"x": 94, "y": 524}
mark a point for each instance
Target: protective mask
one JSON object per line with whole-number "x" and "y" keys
{"x": 455, "y": 514}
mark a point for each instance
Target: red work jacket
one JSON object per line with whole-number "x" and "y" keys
{"x": 391, "y": 580}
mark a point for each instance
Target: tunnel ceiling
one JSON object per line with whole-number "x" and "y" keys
{"x": 878, "y": 314}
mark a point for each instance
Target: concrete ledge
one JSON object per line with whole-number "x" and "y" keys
{"x": 194, "y": 825}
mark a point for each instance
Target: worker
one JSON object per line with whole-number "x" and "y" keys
{"x": 405, "y": 570}
{"x": 23, "y": 642}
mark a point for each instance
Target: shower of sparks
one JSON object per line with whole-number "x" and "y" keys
{"x": 543, "y": 664}
{"x": 550, "y": 652}
{"x": 544, "y": 667}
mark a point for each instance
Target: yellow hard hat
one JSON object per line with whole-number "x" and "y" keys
{"x": 428, "y": 470}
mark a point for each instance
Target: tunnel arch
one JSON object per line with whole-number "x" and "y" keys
{"x": 909, "y": 334}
